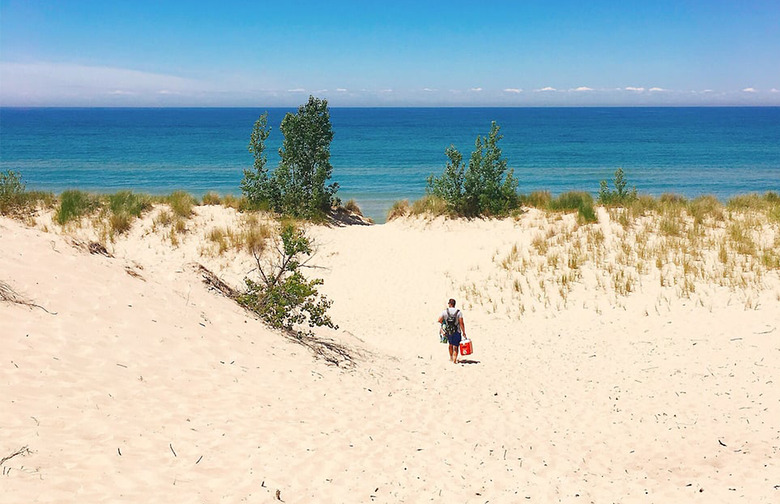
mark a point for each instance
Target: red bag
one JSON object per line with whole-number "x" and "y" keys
{"x": 465, "y": 347}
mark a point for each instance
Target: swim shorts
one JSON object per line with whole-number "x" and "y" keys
{"x": 454, "y": 339}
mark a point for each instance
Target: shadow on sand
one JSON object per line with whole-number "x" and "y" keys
{"x": 468, "y": 361}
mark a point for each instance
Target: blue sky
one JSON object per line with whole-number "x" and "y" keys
{"x": 392, "y": 53}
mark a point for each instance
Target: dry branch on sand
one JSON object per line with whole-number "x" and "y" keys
{"x": 326, "y": 349}
{"x": 8, "y": 295}
{"x": 24, "y": 450}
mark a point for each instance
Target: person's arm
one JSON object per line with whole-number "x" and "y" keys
{"x": 462, "y": 326}
{"x": 441, "y": 319}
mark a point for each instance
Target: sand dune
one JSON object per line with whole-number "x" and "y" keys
{"x": 133, "y": 381}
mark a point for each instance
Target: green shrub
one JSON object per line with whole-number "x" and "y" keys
{"x": 282, "y": 296}
{"x": 74, "y": 205}
{"x": 486, "y": 187}
{"x": 621, "y": 196}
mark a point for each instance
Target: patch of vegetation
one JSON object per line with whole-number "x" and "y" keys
{"x": 430, "y": 205}
{"x": 74, "y": 205}
{"x": 211, "y": 198}
{"x": 580, "y": 201}
{"x": 181, "y": 203}
{"x": 352, "y": 207}
{"x": 236, "y": 203}
{"x": 621, "y": 195}
{"x": 297, "y": 187}
{"x": 15, "y": 200}
{"x": 485, "y": 188}
{"x": 124, "y": 207}
{"x": 537, "y": 199}
{"x": 282, "y": 296}
{"x": 399, "y": 209}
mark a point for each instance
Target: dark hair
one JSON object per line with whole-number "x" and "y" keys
{"x": 452, "y": 302}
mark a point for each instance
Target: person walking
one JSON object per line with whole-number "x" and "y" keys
{"x": 451, "y": 320}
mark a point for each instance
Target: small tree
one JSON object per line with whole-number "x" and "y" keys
{"x": 305, "y": 166}
{"x": 449, "y": 186}
{"x": 487, "y": 187}
{"x": 297, "y": 187}
{"x": 256, "y": 185}
{"x": 283, "y": 297}
{"x": 621, "y": 195}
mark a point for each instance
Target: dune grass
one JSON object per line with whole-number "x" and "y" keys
{"x": 684, "y": 247}
{"x": 74, "y": 205}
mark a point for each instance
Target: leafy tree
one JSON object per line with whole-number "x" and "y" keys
{"x": 305, "y": 166}
{"x": 486, "y": 187}
{"x": 449, "y": 187}
{"x": 297, "y": 187}
{"x": 256, "y": 185}
{"x": 283, "y": 297}
{"x": 621, "y": 195}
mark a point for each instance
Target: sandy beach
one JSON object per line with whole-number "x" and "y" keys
{"x": 601, "y": 372}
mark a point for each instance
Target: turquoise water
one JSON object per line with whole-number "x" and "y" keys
{"x": 381, "y": 155}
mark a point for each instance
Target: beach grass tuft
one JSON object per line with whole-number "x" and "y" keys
{"x": 352, "y": 207}
{"x": 399, "y": 209}
{"x": 211, "y": 198}
{"x": 430, "y": 206}
{"x": 181, "y": 203}
{"x": 74, "y": 205}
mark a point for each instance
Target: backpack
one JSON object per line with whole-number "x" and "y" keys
{"x": 451, "y": 322}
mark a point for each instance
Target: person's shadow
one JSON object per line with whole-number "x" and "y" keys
{"x": 468, "y": 361}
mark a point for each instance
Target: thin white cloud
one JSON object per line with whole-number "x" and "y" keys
{"x": 774, "y": 90}
{"x": 513, "y": 90}
{"x": 67, "y": 83}
{"x": 545, "y": 89}
{"x": 708, "y": 91}
{"x": 749, "y": 90}
{"x": 582, "y": 88}
{"x": 296, "y": 90}
{"x": 635, "y": 89}
{"x": 388, "y": 90}
{"x": 657, "y": 90}
{"x": 476, "y": 89}
{"x": 321, "y": 91}
{"x": 429, "y": 90}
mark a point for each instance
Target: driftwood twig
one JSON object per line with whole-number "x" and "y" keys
{"x": 9, "y": 295}
{"x": 24, "y": 450}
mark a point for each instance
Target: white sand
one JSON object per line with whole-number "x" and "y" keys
{"x": 153, "y": 388}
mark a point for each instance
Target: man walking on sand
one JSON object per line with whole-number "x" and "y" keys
{"x": 452, "y": 322}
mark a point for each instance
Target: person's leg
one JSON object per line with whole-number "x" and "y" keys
{"x": 449, "y": 347}
{"x": 455, "y": 350}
